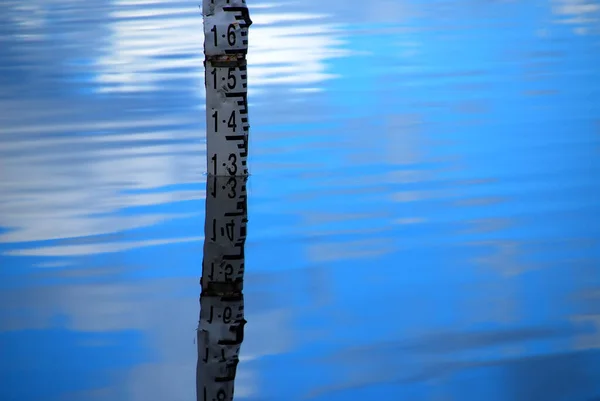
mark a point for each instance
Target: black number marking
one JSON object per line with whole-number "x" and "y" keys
{"x": 211, "y": 276}
{"x": 210, "y": 317}
{"x": 214, "y": 74}
{"x": 215, "y": 116}
{"x": 229, "y": 228}
{"x": 233, "y": 169}
{"x": 228, "y": 272}
{"x": 230, "y": 35}
{"x": 231, "y": 122}
{"x": 214, "y": 230}
{"x": 214, "y": 30}
{"x": 227, "y": 315}
{"x": 214, "y": 160}
{"x": 231, "y": 76}
{"x": 232, "y": 188}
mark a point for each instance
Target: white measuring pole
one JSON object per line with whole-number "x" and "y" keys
{"x": 221, "y": 325}
{"x": 226, "y": 24}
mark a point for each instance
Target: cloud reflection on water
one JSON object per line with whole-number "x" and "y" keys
{"x": 150, "y": 45}
{"x": 104, "y": 150}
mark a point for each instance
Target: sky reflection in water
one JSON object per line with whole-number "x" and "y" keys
{"x": 421, "y": 209}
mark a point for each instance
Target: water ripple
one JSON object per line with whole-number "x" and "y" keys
{"x": 421, "y": 209}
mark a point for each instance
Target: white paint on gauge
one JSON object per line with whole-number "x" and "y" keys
{"x": 226, "y": 24}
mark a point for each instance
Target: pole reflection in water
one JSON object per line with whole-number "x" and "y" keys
{"x": 221, "y": 327}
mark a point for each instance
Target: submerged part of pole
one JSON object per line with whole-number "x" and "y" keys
{"x": 226, "y": 24}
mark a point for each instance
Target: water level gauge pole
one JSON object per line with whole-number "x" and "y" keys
{"x": 226, "y": 24}
{"x": 221, "y": 323}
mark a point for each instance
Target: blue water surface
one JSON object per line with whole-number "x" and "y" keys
{"x": 422, "y": 207}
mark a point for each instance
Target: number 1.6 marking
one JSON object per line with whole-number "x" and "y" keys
{"x": 231, "y": 36}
